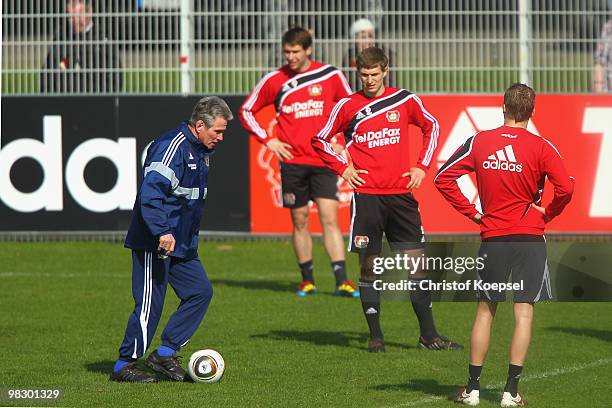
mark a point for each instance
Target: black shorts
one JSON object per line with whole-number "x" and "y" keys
{"x": 395, "y": 215}
{"x": 301, "y": 183}
{"x": 523, "y": 256}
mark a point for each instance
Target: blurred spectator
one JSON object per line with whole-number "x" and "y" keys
{"x": 81, "y": 59}
{"x": 327, "y": 19}
{"x": 602, "y": 70}
{"x": 363, "y": 35}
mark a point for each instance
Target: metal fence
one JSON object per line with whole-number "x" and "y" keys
{"x": 224, "y": 46}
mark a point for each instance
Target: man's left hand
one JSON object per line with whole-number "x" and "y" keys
{"x": 541, "y": 210}
{"x": 417, "y": 175}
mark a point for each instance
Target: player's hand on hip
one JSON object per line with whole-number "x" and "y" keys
{"x": 351, "y": 176}
{"x": 477, "y": 218}
{"x": 280, "y": 149}
{"x": 166, "y": 244}
{"x": 541, "y": 210}
{"x": 416, "y": 175}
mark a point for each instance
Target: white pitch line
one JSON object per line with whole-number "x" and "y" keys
{"x": 128, "y": 273}
{"x": 58, "y": 275}
{"x": 497, "y": 387}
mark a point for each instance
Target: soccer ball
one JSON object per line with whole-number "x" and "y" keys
{"x": 206, "y": 366}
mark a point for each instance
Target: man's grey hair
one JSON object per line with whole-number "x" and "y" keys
{"x": 208, "y": 109}
{"x": 363, "y": 24}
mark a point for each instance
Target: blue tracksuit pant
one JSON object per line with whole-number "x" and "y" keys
{"x": 150, "y": 277}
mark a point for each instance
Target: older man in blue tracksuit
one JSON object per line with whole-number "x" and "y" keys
{"x": 163, "y": 236}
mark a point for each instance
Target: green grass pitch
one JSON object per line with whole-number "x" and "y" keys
{"x": 64, "y": 306}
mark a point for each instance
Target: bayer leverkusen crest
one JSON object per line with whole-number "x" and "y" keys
{"x": 361, "y": 241}
{"x": 393, "y": 116}
{"x": 315, "y": 90}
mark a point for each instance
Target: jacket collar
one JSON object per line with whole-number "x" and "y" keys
{"x": 193, "y": 140}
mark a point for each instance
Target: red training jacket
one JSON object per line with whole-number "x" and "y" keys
{"x": 511, "y": 165}
{"x": 302, "y": 102}
{"x": 376, "y": 135}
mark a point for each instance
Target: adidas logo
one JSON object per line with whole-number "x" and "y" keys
{"x": 371, "y": 311}
{"x": 362, "y": 114}
{"x": 503, "y": 159}
{"x": 190, "y": 156}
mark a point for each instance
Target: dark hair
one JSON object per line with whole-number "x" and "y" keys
{"x": 297, "y": 36}
{"x": 519, "y": 100}
{"x": 371, "y": 58}
{"x": 208, "y": 109}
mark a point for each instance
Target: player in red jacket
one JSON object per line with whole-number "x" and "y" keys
{"x": 303, "y": 92}
{"x": 511, "y": 165}
{"x": 375, "y": 125}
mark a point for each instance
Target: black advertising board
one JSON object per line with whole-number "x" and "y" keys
{"x": 74, "y": 163}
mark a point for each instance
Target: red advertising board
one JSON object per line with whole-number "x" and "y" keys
{"x": 580, "y": 126}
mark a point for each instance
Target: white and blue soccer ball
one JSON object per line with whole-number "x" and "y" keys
{"x": 206, "y": 366}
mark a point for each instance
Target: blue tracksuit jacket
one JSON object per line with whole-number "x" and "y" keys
{"x": 172, "y": 193}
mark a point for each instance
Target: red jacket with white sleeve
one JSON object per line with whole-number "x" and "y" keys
{"x": 511, "y": 165}
{"x": 302, "y": 102}
{"x": 376, "y": 135}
